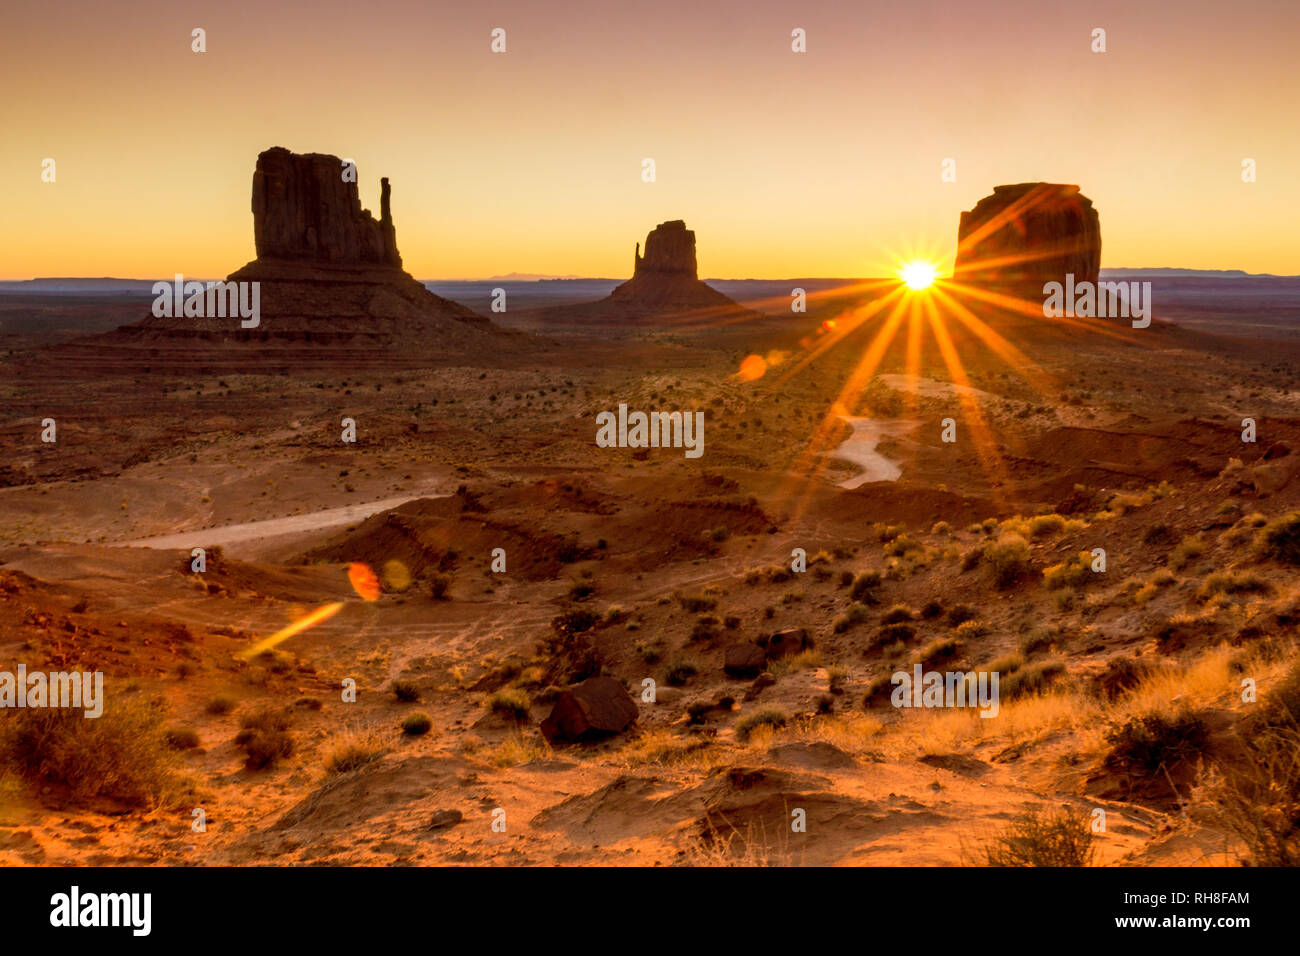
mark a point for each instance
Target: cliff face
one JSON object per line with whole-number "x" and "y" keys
{"x": 1029, "y": 234}
{"x": 304, "y": 211}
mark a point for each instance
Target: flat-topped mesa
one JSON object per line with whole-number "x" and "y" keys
{"x": 669, "y": 250}
{"x": 304, "y": 210}
{"x": 1028, "y": 234}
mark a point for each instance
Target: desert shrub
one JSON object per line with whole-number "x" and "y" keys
{"x": 879, "y": 690}
{"x": 1007, "y": 663}
{"x": 1008, "y": 557}
{"x": 1038, "y": 838}
{"x": 581, "y": 590}
{"x": 893, "y": 632}
{"x": 768, "y": 717}
{"x": 1158, "y": 533}
{"x": 931, "y": 610}
{"x": 1043, "y": 525}
{"x": 1038, "y": 639}
{"x": 121, "y": 755}
{"x": 706, "y": 628}
{"x": 897, "y": 614}
{"x": 961, "y": 614}
{"x": 1121, "y": 675}
{"x": 220, "y": 705}
{"x": 855, "y": 614}
{"x": 941, "y": 527}
{"x": 406, "y": 691}
{"x": 651, "y": 653}
{"x": 938, "y": 651}
{"x": 1231, "y": 582}
{"x": 887, "y": 533}
{"x": 1187, "y": 550}
{"x": 573, "y": 622}
{"x": 416, "y": 724}
{"x": 353, "y": 750}
{"x": 864, "y": 585}
{"x": 846, "y": 578}
{"x": 903, "y": 544}
{"x": 511, "y": 702}
{"x": 439, "y": 583}
{"x": 970, "y": 630}
{"x": 265, "y": 737}
{"x": 1073, "y": 573}
{"x": 1280, "y": 539}
{"x": 679, "y": 672}
{"x": 1151, "y": 743}
{"x": 1030, "y": 679}
{"x": 181, "y": 738}
{"x": 835, "y": 678}
{"x": 696, "y": 603}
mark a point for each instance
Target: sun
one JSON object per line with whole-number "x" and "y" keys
{"x": 917, "y": 275}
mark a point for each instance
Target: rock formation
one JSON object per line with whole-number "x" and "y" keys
{"x": 1028, "y": 234}
{"x": 328, "y": 275}
{"x": 304, "y": 210}
{"x": 669, "y": 251}
{"x": 665, "y": 289}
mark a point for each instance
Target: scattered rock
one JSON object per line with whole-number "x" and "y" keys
{"x": 763, "y": 680}
{"x": 743, "y": 660}
{"x": 787, "y": 643}
{"x": 445, "y": 818}
{"x": 957, "y": 763}
{"x": 597, "y": 707}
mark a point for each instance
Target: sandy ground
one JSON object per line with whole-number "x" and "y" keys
{"x": 674, "y": 560}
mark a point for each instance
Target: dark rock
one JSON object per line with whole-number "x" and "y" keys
{"x": 1026, "y": 235}
{"x": 743, "y": 660}
{"x": 303, "y": 210}
{"x": 763, "y": 680}
{"x": 597, "y": 707}
{"x": 958, "y": 764}
{"x": 445, "y": 818}
{"x": 1278, "y": 449}
{"x": 787, "y": 643}
{"x": 669, "y": 250}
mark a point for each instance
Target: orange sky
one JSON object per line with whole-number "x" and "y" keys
{"x": 820, "y": 164}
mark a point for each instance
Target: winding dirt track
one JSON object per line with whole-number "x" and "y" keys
{"x": 274, "y": 527}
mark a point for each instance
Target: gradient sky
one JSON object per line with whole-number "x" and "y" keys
{"x": 821, "y": 164}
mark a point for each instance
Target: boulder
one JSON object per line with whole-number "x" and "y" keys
{"x": 1028, "y": 234}
{"x": 743, "y": 660}
{"x": 787, "y": 643}
{"x": 598, "y": 707}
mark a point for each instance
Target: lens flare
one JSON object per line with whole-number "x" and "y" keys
{"x": 322, "y": 613}
{"x": 753, "y": 368}
{"x": 363, "y": 581}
